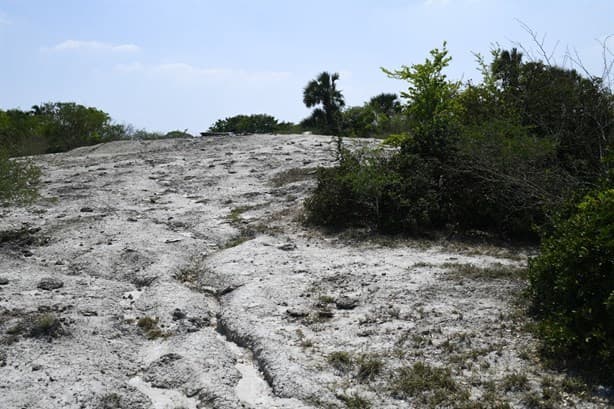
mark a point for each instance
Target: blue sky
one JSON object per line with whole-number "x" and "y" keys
{"x": 179, "y": 64}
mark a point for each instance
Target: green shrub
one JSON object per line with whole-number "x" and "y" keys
{"x": 572, "y": 285}
{"x": 18, "y": 180}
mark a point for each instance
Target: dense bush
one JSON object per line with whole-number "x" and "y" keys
{"x": 18, "y": 179}
{"x": 479, "y": 157}
{"x": 572, "y": 285}
{"x": 378, "y": 118}
{"x": 56, "y": 127}
{"x": 258, "y": 123}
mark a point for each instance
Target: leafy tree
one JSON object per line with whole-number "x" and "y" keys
{"x": 385, "y": 103}
{"x": 359, "y": 122}
{"x": 506, "y": 68}
{"x": 323, "y": 93}
{"x": 575, "y": 112}
{"x": 258, "y": 123}
{"x": 21, "y": 133}
{"x": 67, "y": 125}
{"x": 432, "y": 105}
{"x": 379, "y": 117}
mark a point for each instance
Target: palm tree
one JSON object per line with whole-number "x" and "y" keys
{"x": 506, "y": 67}
{"x": 323, "y": 91}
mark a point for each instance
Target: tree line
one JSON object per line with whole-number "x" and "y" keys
{"x": 60, "y": 126}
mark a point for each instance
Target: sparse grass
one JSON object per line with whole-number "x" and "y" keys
{"x": 456, "y": 342}
{"x": 150, "y": 328}
{"x": 292, "y": 176}
{"x": 515, "y": 382}
{"x": 188, "y": 274}
{"x": 45, "y": 325}
{"x": 237, "y": 241}
{"x": 234, "y": 217}
{"x": 428, "y": 385}
{"x": 354, "y": 401}
{"x": 422, "y": 264}
{"x": 18, "y": 179}
{"x": 369, "y": 367}
{"x": 326, "y": 299}
{"x": 574, "y": 386}
{"x": 109, "y": 401}
{"x": 341, "y": 361}
{"x": 458, "y": 271}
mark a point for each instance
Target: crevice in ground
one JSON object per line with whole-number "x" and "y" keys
{"x": 244, "y": 342}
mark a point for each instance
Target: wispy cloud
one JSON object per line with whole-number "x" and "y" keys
{"x": 75, "y": 45}
{"x": 190, "y": 73}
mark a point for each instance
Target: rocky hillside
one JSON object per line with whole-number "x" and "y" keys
{"x": 177, "y": 274}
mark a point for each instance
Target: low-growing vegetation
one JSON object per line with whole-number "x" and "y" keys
{"x": 18, "y": 179}
{"x": 150, "y": 328}
{"x": 473, "y": 272}
{"x": 428, "y": 385}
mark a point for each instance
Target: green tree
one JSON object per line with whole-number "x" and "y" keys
{"x": 385, "y": 103}
{"x": 67, "y": 125}
{"x": 432, "y": 106}
{"x": 21, "y": 133}
{"x": 323, "y": 94}
{"x": 257, "y": 123}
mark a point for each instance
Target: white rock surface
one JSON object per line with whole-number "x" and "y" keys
{"x": 209, "y": 227}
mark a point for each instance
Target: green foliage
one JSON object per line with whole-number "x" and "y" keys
{"x": 178, "y": 134}
{"x": 259, "y": 123}
{"x": 494, "y": 156}
{"x": 398, "y": 139}
{"x": 67, "y": 125}
{"x": 575, "y": 112}
{"x": 354, "y": 193}
{"x": 378, "y": 118}
{"x": 323, "y": 93}
{"x": 572, "y": 285}
{"x": 18, "y": 179}
{"x": 56, "y": 127}
{"x": 432, "y": 108}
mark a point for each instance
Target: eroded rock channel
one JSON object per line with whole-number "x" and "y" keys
{"x": 175, "y": 274}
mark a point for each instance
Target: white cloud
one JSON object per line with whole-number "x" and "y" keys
{"x": 74, "y": 45}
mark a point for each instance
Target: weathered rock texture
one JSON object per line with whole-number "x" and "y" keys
{"x": 181, "y": 278}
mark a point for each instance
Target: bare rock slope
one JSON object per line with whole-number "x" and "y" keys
{"x": 175, "y": 274}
